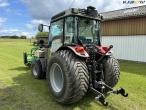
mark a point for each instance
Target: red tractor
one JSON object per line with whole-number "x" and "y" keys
{"x": 75, "y": 61}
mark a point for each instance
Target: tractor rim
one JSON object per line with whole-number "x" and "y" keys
{"x": 56, "y": 77}
{"x": 35, "y": 71}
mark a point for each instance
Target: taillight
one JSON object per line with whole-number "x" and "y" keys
{"x": 80, "y": 49}
{"x": 102, "y": 49}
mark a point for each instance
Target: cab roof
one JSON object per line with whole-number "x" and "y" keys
{"x": 90, "y": 12}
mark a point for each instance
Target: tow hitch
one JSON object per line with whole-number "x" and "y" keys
{"x": 101, "y": 95}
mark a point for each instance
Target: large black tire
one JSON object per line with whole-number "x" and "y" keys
{"x": 25, "y": 58}
{"x": 75, "y": 77}
{"x": 36, "y": 70}
{"x": 111, "y": 71}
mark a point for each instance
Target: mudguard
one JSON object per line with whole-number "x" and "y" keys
{"x": 105, "y": 50}
{"x": 77, "y": 50}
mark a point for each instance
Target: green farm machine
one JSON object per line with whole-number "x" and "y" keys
{"x": 74, "y": 61}
{"x": 35, "y": 52}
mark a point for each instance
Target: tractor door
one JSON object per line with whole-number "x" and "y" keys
{"x": 70, "y": 30}
{"x": 56, "y": 35}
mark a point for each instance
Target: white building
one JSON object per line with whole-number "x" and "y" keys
{"x": 125, "y": 29}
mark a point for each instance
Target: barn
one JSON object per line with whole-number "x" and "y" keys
{"x": 125, "y": 29}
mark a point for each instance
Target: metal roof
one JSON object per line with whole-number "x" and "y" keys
{"x": 125, "y": 13}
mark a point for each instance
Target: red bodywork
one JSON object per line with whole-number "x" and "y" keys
{"x": 103, "y": 49}
{"x": 81, "y": 51}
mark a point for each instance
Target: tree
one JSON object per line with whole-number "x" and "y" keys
{"x": 42, "y": 34}
{"x": 23, "y": 37}
{"x": 13, "y": 37}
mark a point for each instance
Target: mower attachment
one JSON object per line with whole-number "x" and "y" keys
{"x": 29, "y": 57}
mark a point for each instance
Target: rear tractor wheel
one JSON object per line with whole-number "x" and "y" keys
{"x": 68, "y": 77}
{"x": 111, "y": 70}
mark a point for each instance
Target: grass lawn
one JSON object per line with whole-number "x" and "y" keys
{"x": 19, "y": 91}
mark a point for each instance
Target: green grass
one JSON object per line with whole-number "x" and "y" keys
{"x": 19, "y": 91}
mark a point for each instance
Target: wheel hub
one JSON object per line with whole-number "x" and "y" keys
{"x": 56, "y": 77}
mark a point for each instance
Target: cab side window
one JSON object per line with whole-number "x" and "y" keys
{"x": 56, "y": 30}
{"x": 69, "y": 30}
{"x": 56, "y": 35}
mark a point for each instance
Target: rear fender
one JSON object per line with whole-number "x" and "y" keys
{"x": 77, "y": 50}
{"x": 103, "y": 49}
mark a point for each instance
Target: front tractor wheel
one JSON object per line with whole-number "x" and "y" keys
{"x": 68, "y": 77}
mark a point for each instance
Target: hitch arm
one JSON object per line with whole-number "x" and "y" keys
{"x": 121, "y": 91}
{"x": 118, "y": 91}
{"x": 100, "y": 97}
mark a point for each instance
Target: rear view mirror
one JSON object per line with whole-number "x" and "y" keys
{"x": 40, "y": 27}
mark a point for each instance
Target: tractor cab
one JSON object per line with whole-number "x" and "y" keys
{"x": 75, "y": 27}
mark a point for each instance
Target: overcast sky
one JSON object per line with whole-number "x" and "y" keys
{"x": 21, "y": 17}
